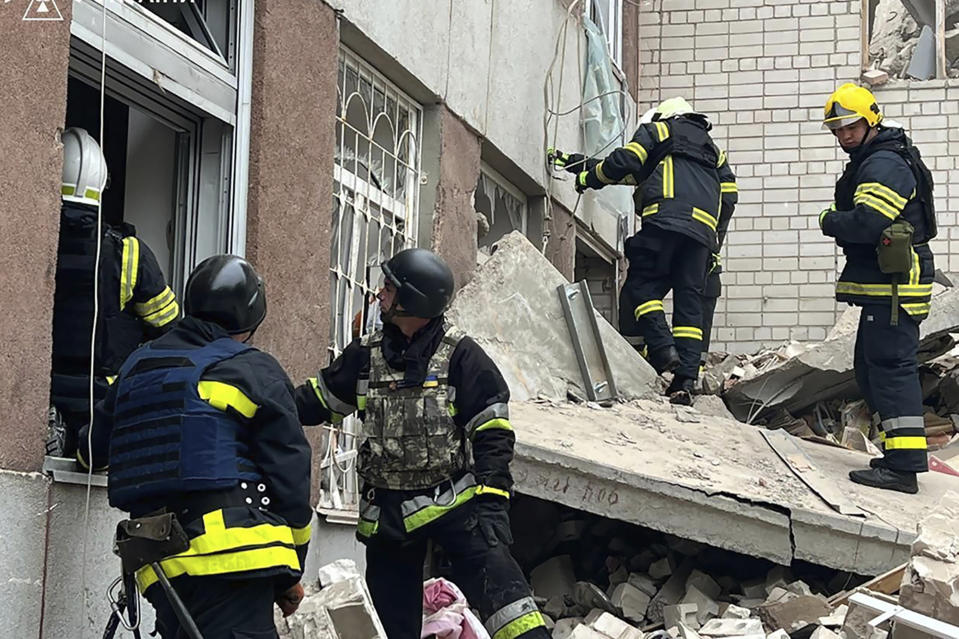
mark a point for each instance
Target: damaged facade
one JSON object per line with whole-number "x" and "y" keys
{"x": 329, "y": 141}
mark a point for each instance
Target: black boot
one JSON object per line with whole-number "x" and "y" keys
{"x": 681, "y": 391}
{"x": 877, "y": 462}
{"x": 664, "y": 359}
{"x": 887, "y": 479}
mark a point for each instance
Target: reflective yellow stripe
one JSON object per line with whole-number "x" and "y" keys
{"x": 367, "y": 528}
{"x": 154, "y": 304}
{"x": 602, "y": 176}
{"x": 702, "y": 216}
{"x": 221, "y": 395}
{"x": 360, "y": 401}
{"x": 689, "y": 332}
{"x": 914, "y": 271}
{"x": 877, "y": 205}
{"x": 301, "y": 535}
{"x": 880, "y": 290}
{"x": 164, "y": 316}
{"x": 431, "y": 513}
{"x": 648, "y": 307}
{"x": 129, "y": 268}
{"x": 518, "y": 626}
{"x": 662, "y": 130}
{"x": 668, "y": 183}
{"x": 722, "y": 158}
{"x": 884, "y": 192}
{"x": 90, "y": 193}
{"x": 452, "y": 410}
{"x": 221, "y": 550}
{"x": 493, "y": 424}
{"x": 582, "y": 178}
{"x": 920, "y": 308}
{"x": 489, "y": 490}
{"x": 651, "y": 209}
{"x": 334, "y": 416}
{"x": 905, "y": 443}
{"x": 637, "y": 149}
{"x": 728, "y": 187}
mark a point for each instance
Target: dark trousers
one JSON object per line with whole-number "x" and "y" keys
{"x": 660, "y": 262}
{"x": 221, "y": 608}
{"x": 486, "y": 572}
{"x": 887, "y": 372}
{"x": 713, "y": 291}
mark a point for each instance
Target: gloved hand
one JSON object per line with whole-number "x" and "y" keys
{"x": 569, "y": 162}
{"x": 581, "y": 185}
{"x": 289, "y": 600}
{"x": 717, "y": 261}
{"x": 493, "y": 513}
{"x": 826, "y": 211}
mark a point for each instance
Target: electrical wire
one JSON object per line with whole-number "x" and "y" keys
{"x": 552, "y": 114}
{"x": 96, "y": 312}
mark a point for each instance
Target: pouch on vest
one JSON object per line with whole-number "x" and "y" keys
{"x": 895, "y": 248}
{"x": 895, "y": 258}
{"x": 143, "y": 541}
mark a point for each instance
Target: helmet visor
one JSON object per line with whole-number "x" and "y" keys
{"x": 838, "y": 116}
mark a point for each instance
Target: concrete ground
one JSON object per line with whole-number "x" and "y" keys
{"x": 716, "y": 481}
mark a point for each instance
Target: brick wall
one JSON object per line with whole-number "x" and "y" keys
{"x": 762, "y": 70}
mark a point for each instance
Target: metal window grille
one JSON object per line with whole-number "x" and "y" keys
{"x": 376, "y": 178}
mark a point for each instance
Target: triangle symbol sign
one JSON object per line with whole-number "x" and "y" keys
{"x": 43, "y": 10}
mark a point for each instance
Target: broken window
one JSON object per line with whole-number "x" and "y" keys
{"x": 503, "y": 208}
{"x": 914, "y": 39}
{"x": 376, "y": 176}
{"x": 211, "y": 23}
{"x": 608, "y": 15}
{"x": 600, "y": 270}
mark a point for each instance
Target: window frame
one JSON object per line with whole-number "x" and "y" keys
{"x": 612, "y": 21}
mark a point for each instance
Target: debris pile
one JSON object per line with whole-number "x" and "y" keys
{"x": 902, "y": 38}
{"x": 810, "y": 391}
{"x": 599, "y": 578}
{"x": 336, "y": 605}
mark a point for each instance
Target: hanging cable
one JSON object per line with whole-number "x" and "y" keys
{"x": 96, "y": 311}
{"x": 552, "y": 114}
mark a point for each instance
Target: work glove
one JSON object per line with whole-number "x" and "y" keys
{"x": 716, "y": 262}
{"x": 569, "y": 162}
{"x": 493, "y": 514}
{"x": 581, "y": 182}
{"x": 826, "y": 211}
{"x": 289, "y": 600}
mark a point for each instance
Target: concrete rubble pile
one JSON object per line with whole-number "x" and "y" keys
{"x": 898, "y": 46}
{"x": 599, "y": 578}
{"x": 337, "y": 605}
{"x": 809, "y": 389}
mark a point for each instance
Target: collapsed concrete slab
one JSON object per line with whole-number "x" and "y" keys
{"x": 512, "y": 309}
{"x": 715, "y": 482}
{"x": 930, "y": 584}
{"x": 804, "y": 374}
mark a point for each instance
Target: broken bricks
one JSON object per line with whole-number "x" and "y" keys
{"x": 795, "y": 614}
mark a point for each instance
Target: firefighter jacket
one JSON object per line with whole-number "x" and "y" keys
{"x": 683, "y": 181}
{"x": 206, "y": 427}
{"x": 134, "y": 304}
{"x": 877, "y": 187}
{"x": 434, "y": 410}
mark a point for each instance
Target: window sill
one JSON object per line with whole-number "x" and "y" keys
{"x": 64, "y": 470}
{"x": 334, "y": 516}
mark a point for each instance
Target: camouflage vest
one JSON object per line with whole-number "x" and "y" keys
{"x": 410, "y": 439}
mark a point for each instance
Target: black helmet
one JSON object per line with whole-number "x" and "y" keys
{"x": 225, "y": 290}
{"x": 423, "y": 281}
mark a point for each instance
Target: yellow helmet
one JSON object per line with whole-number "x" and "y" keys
{"x": 847, "y": 104}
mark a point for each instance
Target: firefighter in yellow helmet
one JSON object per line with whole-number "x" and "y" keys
{"x": 883, "y": 218}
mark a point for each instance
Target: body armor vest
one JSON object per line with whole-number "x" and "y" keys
{"x": 166, "y": 439}
{"x": 921, "y": 211}
{"x": 687, "y": 139}
{"x": 118, "y": 333}
{"x": 411, "y": 441}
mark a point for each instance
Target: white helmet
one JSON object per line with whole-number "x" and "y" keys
{"x": 648, "y": 117}
{"x": 84, "y": 168}
{"x": 674, "y": 107}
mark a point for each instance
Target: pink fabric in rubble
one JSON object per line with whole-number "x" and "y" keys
{"x": 446, "y": 613}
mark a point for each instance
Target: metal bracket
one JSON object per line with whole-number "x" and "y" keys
{"x": 587, "y": 341}
{"x": 67, "y": 471}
